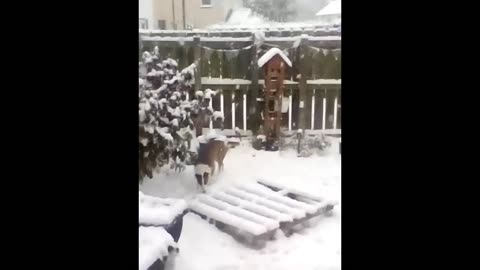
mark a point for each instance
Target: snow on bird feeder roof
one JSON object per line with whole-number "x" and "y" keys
{"x": 270, "y": 54}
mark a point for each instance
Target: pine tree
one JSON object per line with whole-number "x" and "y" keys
{"x": 166, "y": 119}
{"x": 275, "y": 10}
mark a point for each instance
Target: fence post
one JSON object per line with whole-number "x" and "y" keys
{"x": 324, "y": 110}
{"x": 244, "y": 109}
{"x": 313, "y": 111}
{"x": 197, "y": 56}
{"x": 290, "y": 110}
{"x": 302, "y": 83}
{"x": 253, "y": 112}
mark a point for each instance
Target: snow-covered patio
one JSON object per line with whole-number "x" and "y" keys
{"x": 203, "y": 246}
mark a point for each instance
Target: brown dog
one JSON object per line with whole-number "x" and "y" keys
{"x": 209, "y": 153}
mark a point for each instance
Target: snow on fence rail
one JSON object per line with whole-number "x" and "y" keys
{"x": 237, "y": 39}
{"x": 231, "y": 31}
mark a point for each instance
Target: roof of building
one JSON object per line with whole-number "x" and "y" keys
{"x": 333, "y": 8}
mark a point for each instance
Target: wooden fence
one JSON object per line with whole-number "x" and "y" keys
{"x": 228, "y": 61}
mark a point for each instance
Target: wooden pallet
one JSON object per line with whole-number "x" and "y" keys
{"x": 156, "y": 248}
{"x": 252, "y": 213}
{"x": 162, "y": 212}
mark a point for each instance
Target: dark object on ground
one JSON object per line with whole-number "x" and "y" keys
{"x": 174, "y": 226}
{"x": 258, "y": 144}
{"x": 157, "y": 265}
{"x": 271, "y": 147}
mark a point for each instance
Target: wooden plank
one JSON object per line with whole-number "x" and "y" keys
{"x": 302, "y": 82}
{"x": 197, "y": 57}
{"x": 283, "y": 44}
{"x": 312, "y": 124}
{"x": 269, "y": 223}
{"x": 233, "y": 110}
{"x": 339, "y": 109}
{"x": 227, "y": 110}
{"x": 244, "y": 111}
{"x": 279, "y": 207}
{"x": 221, "y": 104}
{"x": 324, "y": 110}
{"x": 227, "y": 218}
{"x": 335, "y": 110}
{"x": 254, "y": 88}
{"x": 238, "y": 107}
{"x": 290, "y": 111}
{"x": 215, "y": 64}
{"x": 210, "y": 120}
{"x": 319, "y": 94}
{"x": 253, "y": 207}
{"x": 330, "y": 109}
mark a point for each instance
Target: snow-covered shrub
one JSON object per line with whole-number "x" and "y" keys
{"x": 167, "y": 120}
{"x": 309, "y": 143}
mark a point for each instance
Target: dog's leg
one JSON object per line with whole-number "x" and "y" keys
{"x": 205, "y": 181}
{"x": 212, "y": 168}
{"x": 199, "y": 181}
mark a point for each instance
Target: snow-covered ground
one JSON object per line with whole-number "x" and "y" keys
{"x": 203, "y": 247}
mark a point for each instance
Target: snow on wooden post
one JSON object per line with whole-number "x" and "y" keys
{"x": 197, "y": 55}
{"x": 253, "y": 115}
{"x": 233, "y": 110}
{"x": 324, "y": 112}
{"x": 221, "y": 103}
{"x": 313, "y": 110}
{"x": 302, "y": 83}
{"x": 290, "y": 111}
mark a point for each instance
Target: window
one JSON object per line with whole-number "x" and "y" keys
{"x": 143, "y": 23}
{"x": 206, "y": 3}
{"x": 162, "y": 24}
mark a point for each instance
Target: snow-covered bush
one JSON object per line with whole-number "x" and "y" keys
{"x": 275, "y": 10}
{"x": 167, "y": 120}
{"x": 305, "y": 144}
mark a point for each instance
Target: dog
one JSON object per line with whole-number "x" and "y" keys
{"x": 179, "y": 167}
{"x": 209, "y": 152}
{"x": 178, "y": 158}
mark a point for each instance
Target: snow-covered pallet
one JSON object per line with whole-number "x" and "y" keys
{"x": 156, "y": 247}
{"x": 162, "y": 212}
{"x": 253, "y": 212}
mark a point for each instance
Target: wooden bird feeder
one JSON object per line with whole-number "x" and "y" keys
{"x": 274, "y": 63}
